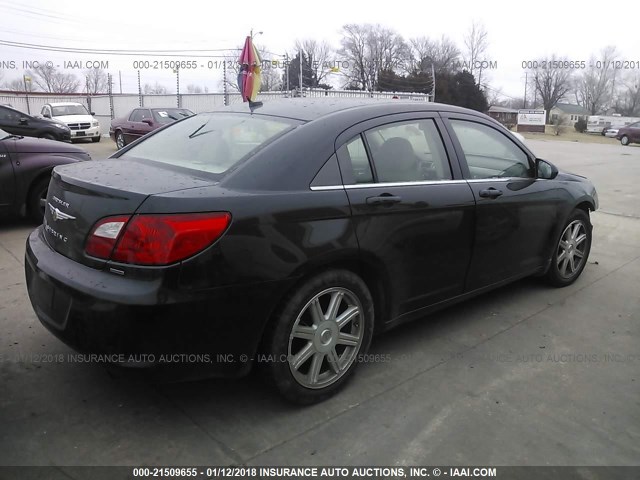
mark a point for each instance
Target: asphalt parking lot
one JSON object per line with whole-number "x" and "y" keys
{"x": 525, "y": 375}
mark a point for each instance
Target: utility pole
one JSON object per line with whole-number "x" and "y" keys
{"x": 300, "y": 55}
{"x": 110, "y": 82}
{"x": 526, "y": 81}
{"x": 120, "y": 76}
{"x": 26, "y": 79}
{"x": 433, "y": 77}
{"x": 286, "y": 59}
{"x": 139, "y": 90}
{"x": 225, "y": 98}
{"x": 177, "y": 72}
{"x": 86, "y": 81}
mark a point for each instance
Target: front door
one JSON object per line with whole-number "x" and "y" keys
{"x": 516, "y": 213}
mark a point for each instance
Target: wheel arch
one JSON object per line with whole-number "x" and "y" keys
{"x": 37, "y": 178}
{"x": 368, "y": 269}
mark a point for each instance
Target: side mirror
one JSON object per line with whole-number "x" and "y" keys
{"x": 92, "y": 113}
{"x": 23, "y": 121}
{"x": 46, "y": 115}
{"x": 148, "y": 121}
{"x": 545, "y": 170}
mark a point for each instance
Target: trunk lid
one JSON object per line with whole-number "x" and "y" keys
{"x": 81, "y": 194}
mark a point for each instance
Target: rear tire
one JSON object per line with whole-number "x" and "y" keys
{"x": 36, "y": 203}
{"x": 318, "y": 335}
{"x": 95, "y": 139}
{"x": 571, "y": 251}
{"x": 624, "y": 140}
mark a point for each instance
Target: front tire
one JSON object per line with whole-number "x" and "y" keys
{"x": 120, "y": 142}
{"x": 318, "y": 335}
{"x": 571, "y": 251}
{"x": 37, "y": 200}
{"x": 95, "y": 139}
{"x": 624, "y": 140}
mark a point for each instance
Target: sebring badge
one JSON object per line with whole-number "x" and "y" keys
{"x": 57, "y": 214}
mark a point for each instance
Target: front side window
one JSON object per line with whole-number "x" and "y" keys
{"x": 211, "y": 142}
{"x": 408, "y": 152}
{"x": 489, "y": 153}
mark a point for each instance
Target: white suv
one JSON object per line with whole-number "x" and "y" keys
{"x": 75, "y": 116}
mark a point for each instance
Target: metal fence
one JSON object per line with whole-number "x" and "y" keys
{"x": 107, "y": 107}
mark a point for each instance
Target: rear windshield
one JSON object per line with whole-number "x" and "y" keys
{"x": 211, "y": 142}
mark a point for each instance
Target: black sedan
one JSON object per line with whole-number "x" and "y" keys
{"x": 18, "y": 123}
{"x": 25, "y": 171}
{"x": 284, "y": 238}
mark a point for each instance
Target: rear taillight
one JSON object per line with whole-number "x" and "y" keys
{"x": 155, "y": 239}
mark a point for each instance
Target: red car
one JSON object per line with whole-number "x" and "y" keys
{"x": 629, "y": 134}
{"x": 141, "y": 121}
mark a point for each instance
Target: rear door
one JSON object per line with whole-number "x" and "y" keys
{"x": 412, "y": 212}
{"x": 10, "y": 122}
{"x": 634, "y": 130}
{"x": 516, "y": 213}
{"x": 135, "y": 128}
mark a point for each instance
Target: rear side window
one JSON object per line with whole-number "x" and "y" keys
{"x": 356, "y": 153}
{"x": 408, "y": 152}
{"x": 211, "y": 142}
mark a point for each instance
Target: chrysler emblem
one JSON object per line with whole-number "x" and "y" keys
{"x": 57, "y": 214}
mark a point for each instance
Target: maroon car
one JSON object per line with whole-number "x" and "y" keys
{"x": 141, "y": 121}
{"x": 25, "y": 171}
{"x": 629, "y": 134}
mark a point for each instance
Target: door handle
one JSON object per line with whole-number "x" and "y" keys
{"x": 385, "y": 198}
{"x": 490, "y": 193}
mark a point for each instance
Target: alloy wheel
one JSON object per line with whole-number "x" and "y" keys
{"x": 325, "y": 338}
{"x": 571, "y": 249}
{"x": 120, "y": 141}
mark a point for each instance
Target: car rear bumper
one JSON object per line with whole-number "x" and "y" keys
{"x": 130, "y": 322}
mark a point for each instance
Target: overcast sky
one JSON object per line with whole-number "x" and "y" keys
{"x": 517, "y": 31}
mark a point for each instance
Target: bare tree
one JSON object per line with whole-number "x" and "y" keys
{"x": 48, "y": 79}
{"x": 551, "y": 84}
{"x": 369, "y": 49}
{"x": 271, "y": 75}
{"x": 18, "y": 85}
{"x": 191, "y": 88}
{"x": 155, "y": 89}
{"x": 594, "y": 88}
{"x": 97, "y": 80}
{"x": 628, "y": 100}
{"x": 444, "y": 54}
{"x": 476, "y": 43}
{"x": 319, "y": 54}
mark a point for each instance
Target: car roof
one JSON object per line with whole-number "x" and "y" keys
{"x": 309, "y": 109}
